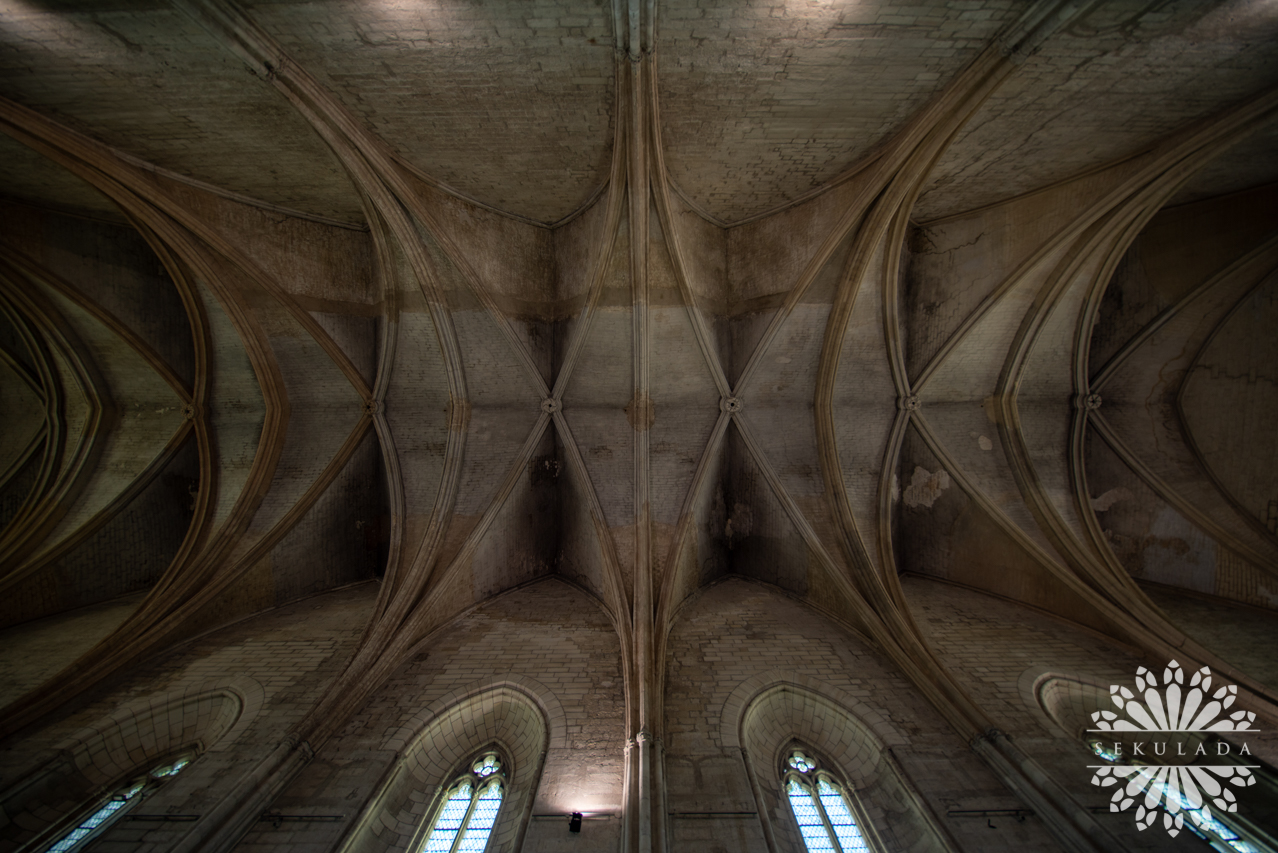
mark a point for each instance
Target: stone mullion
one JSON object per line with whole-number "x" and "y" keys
{"x": 203, "y": 578}
{"x": 412, "y": 608}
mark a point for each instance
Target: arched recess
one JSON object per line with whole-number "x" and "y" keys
{"x": 1069, "y": 701}
{"x": 518, "y": 718}
{"x": 98, "y": 758}
{"x": 786, "y": 713}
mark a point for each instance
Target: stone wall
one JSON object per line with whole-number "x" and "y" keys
{"x": 550, "y": 643}
{"x": 275, "y": 665}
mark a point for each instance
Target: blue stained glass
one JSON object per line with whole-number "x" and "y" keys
{"x": 171, "y": 769}
{"x": 93, "y": 821}
{"x": 486, "y": 766}
{"x": 1099, "y": 749}
{"x": 845, "y": 828}
{"x": 1220, "y": 829}
{"x": 449, "y": 822}
{"x": 801, "y": 762}
{"x": 482, "y": 819}
{"x": 90, "y": 823}
{"x": 815, "y": 836}
{"x": 108, "y": 810}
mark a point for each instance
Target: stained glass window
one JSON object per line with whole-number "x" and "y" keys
{"x": 467, "y": 815}
{"x": 1104, "y": 752}
{"x": 1214, "y": 828}
{"x": 1207, "y": 826}
{"x": 820, "y": 808}
{"x": 115, "y": 805}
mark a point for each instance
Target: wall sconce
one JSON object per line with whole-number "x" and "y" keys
{"x": 574, "y": 823}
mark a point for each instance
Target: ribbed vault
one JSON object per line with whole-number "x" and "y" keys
{"x": 636, "y": 346}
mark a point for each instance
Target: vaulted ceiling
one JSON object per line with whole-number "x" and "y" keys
{"x": 461, "y": 295}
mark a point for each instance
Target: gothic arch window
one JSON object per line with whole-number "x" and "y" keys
{"x": 1218, "y": 830}
{"x": 1071, "y": 700}
{"x": 91, "y": 823}
{"x": 464, "y": 818}
{"x": 823, "y": 807}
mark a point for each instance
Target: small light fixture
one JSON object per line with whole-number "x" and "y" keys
{"x": 574, "y": 823}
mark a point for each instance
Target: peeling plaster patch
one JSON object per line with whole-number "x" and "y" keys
{"x": 990, "y": 405}
{"x": 983, "y": 441}
{"x": 1267, "y": 594}
{"x": 1179, "y": 554}
{"x": 925, "y": 488}
{"x": 1107, "y": 500}
{"x": 784, "y": 360}
{"x": 896, "y": 489}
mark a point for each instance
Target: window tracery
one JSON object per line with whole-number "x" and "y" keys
{"x": 822, "y": 807}
{"x": 468, "y": 811}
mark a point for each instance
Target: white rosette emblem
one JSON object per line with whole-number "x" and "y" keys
{"x": 1175, "y": 790}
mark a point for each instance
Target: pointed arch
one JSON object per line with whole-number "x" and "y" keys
{"x": 510, "y": 719}
{"x": 785, "y": 713}
{"x": 135, "y": 739}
